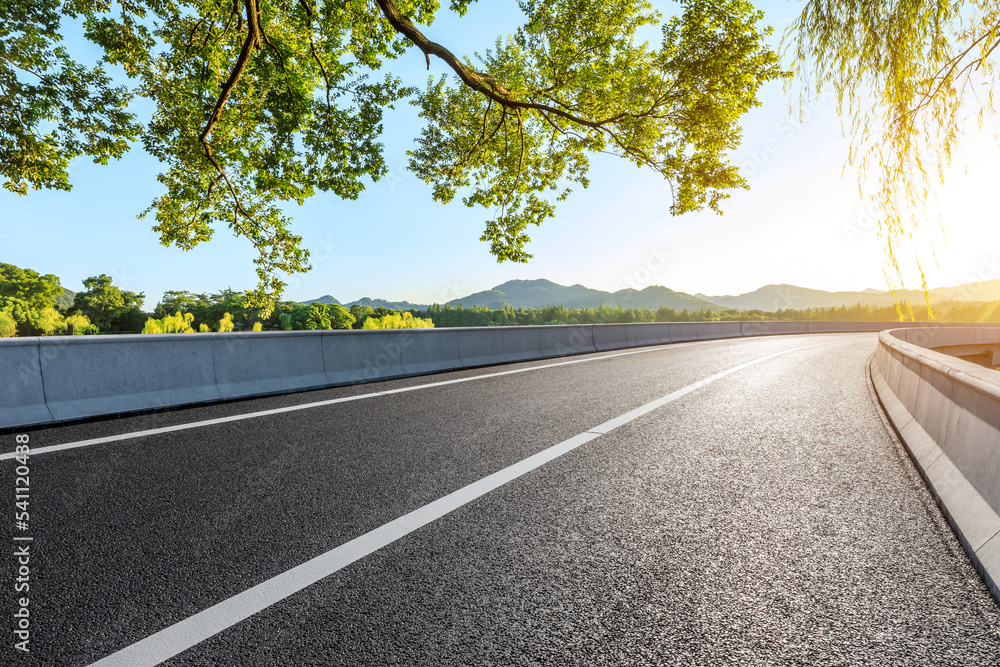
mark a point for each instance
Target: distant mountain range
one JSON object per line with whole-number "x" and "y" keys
{"x": 781, "y": 297}
{"x": 777, "y": 297}
{"x": 374, "y": 303}
{"x": 540, "y": 293}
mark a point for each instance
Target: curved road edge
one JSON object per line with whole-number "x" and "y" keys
{"x": 953, "y": 441}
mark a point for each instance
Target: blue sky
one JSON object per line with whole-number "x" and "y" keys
{"x": 802, "y": 222}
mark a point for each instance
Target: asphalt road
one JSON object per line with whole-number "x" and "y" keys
{"x": 768, "y": 516}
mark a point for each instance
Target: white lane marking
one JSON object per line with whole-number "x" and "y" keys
{"x": 318, "y": 404}
{"x": 193, "y": 630}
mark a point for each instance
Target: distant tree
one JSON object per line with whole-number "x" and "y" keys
{"x": 29, "y": 298}
{"x": 130, "y": 322}
{"x": 104, "y": 303}
{"x": 257, "y": 326}
{"x": 340, "y": 317}
{"x": 78, "y": 325}
{"x": 226, "y": 323}
{"x": 321, "y": 316}
{"x": 360, "y": 314}
{"x": 50, "y": 321}
{"x": 8, "y": 326}
{"x": 34, "y": 290}
{"x": 153, "y": 326}
{"x": 173, "y": 301}
{"x": 394, "y": 320}
{"x": 176, "y": 323}
{"x": 310, "y": 317}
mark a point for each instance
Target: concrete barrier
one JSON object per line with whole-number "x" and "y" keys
{"x": 520, "y": 345}
{"x": 356, "y": 356}
{"x": 481, "y": 346}
{"x": 87, "y": 376}
{"x": 773, "y": 328}
{"x": 97, "y": 375}
{"x": 257, "y": 363}
{"x": 612, "y": 336}
{"x": 689, "y": 331}
{"x": 849, "y": 327}
{"x": 562, "y": 341}
{"x": 430, "y": 351}
{"x": 653, "y": 333}
{"x": 638, "y": 334}
{"x": 947, "y": 412}
{"x": 22, "y": 393}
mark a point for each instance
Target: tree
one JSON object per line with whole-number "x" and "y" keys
{"x": 360, "y": 314}
{"x": 153, "y": 326}
{"x": 35, "y": 291}
{"x": 8, "y": 326}
{"x": 176, "y": 323}
{"x": 29, "y": 299}
{"x": 260, "y": 103}
{"x": 174, "y": 301}
{"x": 104, "y": 303}
{"x": 78, "y": 325}
{"x": 396, "y": 320}
{"x": 53, "y": 109}
{"x": 50, "y": 322}
{"x": 226, "y": 323}
{"x": 921, "y": 62}
{"x": 340, "y": 317}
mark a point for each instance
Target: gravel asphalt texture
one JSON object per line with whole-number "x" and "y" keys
{"x": 770, "y": 517}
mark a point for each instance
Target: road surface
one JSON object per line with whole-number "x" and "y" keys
{"x": 718, "y": 502}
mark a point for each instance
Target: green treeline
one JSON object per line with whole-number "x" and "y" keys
{"x": 32, "y": 304}
{"x": 186, "y": 312}
{"x": 449, "y": 316}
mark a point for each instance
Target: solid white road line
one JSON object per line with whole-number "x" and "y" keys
{"x": 195, "y": 629}
{"x": 317, "y": 404}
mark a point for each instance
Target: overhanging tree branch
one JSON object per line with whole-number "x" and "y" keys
{"x": 250, "y": 44}
{"x": 482, "y": 83}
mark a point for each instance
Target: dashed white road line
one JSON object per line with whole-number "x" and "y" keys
{"x": 195, "y": 629}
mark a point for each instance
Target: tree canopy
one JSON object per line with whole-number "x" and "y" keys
{"x": 104, "y": 303}
{"x": 26, "y": 285}
{"x": 927, "y": 65}
{"x": 28, "y": 300}
{"x": 259, "y": 103}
